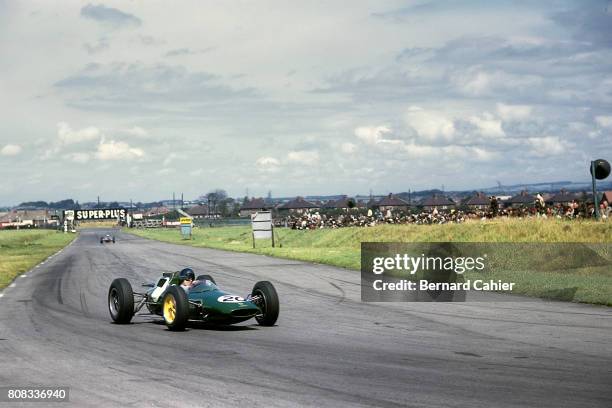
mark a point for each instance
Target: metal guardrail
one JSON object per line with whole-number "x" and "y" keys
{"x": 221, "y": 222}
{"x": 197, "y": 222}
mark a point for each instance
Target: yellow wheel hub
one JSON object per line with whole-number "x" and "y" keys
{"x": 169, "y": 308}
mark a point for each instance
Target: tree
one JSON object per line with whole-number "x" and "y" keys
{"x": 226, "y": 206}
{"x": 213, "y": 198}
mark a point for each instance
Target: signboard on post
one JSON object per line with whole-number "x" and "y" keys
{"x": 98, "y": 214}
{"x": 186, "y": 225}
{"x": 261, "y": 224}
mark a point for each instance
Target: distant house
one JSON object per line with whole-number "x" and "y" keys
{"x": 156, "y": 211}
{"x": 524, "y": 199}
{"x": 345, "y": 203}
{"x": 252, "y": 206}
{"x": 391, "y": 202}
{"x": 607, "y": 197}
{"x": 299, "y": 205}
{"x": 437, "y": 201}
{"x": 562, "y": 197}
{"x": 198, "y": 211}
{"x": 478, "y": 202}
{"x": 28, "y": 218}
{"x": 329, "y": 204}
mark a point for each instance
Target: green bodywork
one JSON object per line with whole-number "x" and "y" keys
{"x": 209, "y": 303}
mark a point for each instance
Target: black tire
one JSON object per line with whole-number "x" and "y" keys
{"x": 175, "y": 308}
{"x": 101, "y": 241}
{"x": 206, "y": 277}
{"x": 268, "y": 303}
{"x": 121, "y": 301}
{"x": 113, "y": 240}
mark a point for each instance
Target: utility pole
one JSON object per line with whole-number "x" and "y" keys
{"x": 173, "y": 201}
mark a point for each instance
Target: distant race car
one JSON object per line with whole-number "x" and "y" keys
{"x": 107, "y": 238}
{"x": 204, "y": 301}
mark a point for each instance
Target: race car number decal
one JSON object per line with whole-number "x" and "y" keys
{"x": 230, "y": 299}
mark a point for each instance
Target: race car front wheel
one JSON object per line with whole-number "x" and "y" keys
{"x": 175, "y": 308}
{"x": 121, "y": 301}
{"x": 267, "y": 301}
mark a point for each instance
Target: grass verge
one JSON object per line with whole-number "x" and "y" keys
{"x": 21, "y": 250}
{"x": 341, "y": 247}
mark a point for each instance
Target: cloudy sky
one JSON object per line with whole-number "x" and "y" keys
{"x": 137, "y": 99}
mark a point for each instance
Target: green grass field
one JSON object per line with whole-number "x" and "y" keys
{"x": 21, "y": 250}
{"x": 341, "y": 247}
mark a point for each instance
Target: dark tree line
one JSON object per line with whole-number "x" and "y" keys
{"x": 68, "y": 204}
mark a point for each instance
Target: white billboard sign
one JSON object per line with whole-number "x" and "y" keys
{"x": 261, "y": 223}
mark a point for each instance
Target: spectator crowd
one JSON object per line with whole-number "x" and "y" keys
{"x": 315, "y": 219}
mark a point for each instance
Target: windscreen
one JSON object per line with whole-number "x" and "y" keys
{"x": 202, "y": 286}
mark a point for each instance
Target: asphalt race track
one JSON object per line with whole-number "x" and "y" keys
{"x": 327, "y": 350}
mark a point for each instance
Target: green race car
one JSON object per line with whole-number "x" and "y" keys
{"x": 202, "y": 301}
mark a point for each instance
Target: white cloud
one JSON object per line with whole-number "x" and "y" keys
{"x": 604, "y": 121}
{"x": 430, "y": 125}
{"x": 547, "y": 146}
{"x": 11, "y": 150}
{"x": 67, "y": 135}
{"x": 267, "y": 161}
{"x": 372, "y": 135}
{"x": 308, "y": 157}
{"x": 267, "y": 164}
{"x": 481, "y": 154}
{"x": 450, "y": 153}
{"x": 348, "y": 148}
{"x": 488, "y": 126}
{"x": 113, "y": 150}
{"x": 513, "y": 112}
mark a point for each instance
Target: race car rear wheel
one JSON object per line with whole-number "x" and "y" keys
{"x": 121, "y": 301}
{"x": 267, "y": 301}
{"x": 175, "y": 308}
{"x": 206, "y": 277}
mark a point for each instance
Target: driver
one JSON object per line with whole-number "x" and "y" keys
{"x": 187, "y": 278}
